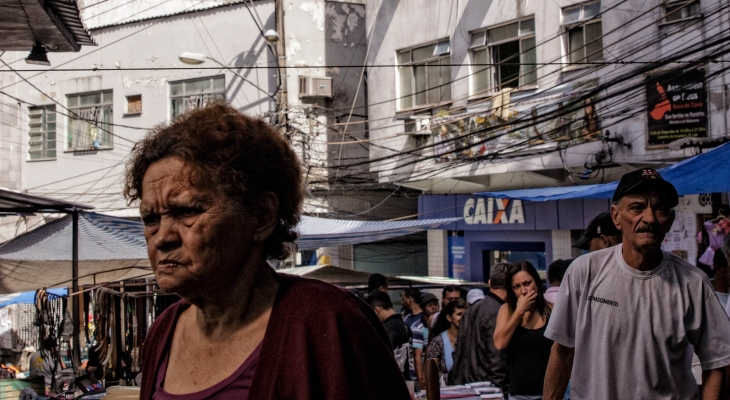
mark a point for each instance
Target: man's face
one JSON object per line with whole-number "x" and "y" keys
{"x": 379, "y": 312}
{"x": 643, "y": 219}
{"x": 603, "y": 242}
{"x": 597, "y": 243}
{"x": 450, "y": 296}
{"x": 406, "y": 301}
{"x": 430, "y": 308}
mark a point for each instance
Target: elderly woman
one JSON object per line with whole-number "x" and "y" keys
{"x": 220, "y": 192}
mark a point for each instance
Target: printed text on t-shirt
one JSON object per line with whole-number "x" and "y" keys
{"x": 604, "y": 301}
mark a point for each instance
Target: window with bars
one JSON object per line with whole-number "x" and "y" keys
{"x": 424, "y": 75}
{"x": 42, "y": 133}
{"x": 503, "y": 56}
{"x": 679, "y": 10}
{"x": 190, "y": 94}
{"x": 90, "y": 121}
{"x": 584, "y": 33}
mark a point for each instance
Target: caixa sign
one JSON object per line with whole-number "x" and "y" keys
{"x": 488, "y": 210}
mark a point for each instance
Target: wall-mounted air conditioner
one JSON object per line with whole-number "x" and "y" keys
{"x": 315, "y": 86}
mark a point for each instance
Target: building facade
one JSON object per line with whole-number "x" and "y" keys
{"x": 475, "y": 96}
{"x": 69, "y": 128}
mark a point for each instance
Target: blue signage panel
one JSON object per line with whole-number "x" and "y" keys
{"x": 457, "y": 257}
{"x": 479, "y": 213}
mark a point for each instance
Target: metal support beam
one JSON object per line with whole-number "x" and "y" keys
{"x": 282, "y": 97}
{"x": 75, "y": 308}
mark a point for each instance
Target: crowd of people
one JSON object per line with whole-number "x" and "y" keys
{"x": 621, "y": 321}
{"x": 624, "y": 323}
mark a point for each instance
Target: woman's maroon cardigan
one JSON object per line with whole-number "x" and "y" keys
{"x": 321, "y": 343}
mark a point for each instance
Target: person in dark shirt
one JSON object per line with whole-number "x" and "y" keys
{"x": 476, "y": 359}
{"x": 398, "y": 332}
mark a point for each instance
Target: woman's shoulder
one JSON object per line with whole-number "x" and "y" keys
{"x": 319, "y": 297}
{"x": 306, "y": 289}
{"x": 438, "y": 340}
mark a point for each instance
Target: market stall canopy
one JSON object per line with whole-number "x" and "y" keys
{"x": 28, "y": 297}
{"x": 353, "y": 279}
{"x": 323, "y": 232}
{"x": 54, "y": 24}
{"x": 15, "y": 202}
{"x": 113, "y": 249}
{"x": 703, "y": 173}
{"x": 110, "y": 249}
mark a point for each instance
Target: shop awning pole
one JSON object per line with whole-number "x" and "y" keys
{"x": 75, "y": 309}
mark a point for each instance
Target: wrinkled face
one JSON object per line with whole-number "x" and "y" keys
{"x": 644, "y": 219}
{"x": 196, "y": 238}
{"x": 522, "y": 283}
{"x": 451, "y": 296}
{"x": 455, "y": 318}
{"x": 431, "y": 308}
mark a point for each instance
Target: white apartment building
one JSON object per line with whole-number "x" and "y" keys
{"x": 475, "y": 96}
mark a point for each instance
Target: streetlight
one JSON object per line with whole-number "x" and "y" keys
{"x": 38, "y": 55}
{"x": 198, "y": 58}
{"x": 271, "y": 36}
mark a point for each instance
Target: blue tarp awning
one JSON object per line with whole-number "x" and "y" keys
{"x": 324, "y": 232}
{"x": 112, "y": 248}
{"x": 27, "y": 297}
{"x": 704, "y": 173}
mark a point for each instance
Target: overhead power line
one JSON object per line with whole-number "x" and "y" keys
{"x": 593, "y": 63}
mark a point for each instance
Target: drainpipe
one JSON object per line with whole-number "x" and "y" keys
{"x": 724, "y": 86}
{"x": 281, "y": 94}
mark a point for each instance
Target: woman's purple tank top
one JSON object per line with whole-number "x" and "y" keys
{"x": 235, "y": 386}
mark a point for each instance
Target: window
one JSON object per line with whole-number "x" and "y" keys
{"x": 679, "y": 10}
{"x": 425, "y": 75}
{"x": 584, "y": 33}
{"x": 134, "y": 104}
{"x": 511, "y": 50}
{"x": 90, "y": 121}
{"x": 42, "y": 133}
{"x": 194, "y": 93}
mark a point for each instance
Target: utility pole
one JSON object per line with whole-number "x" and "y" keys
{"x": 281, "y": 94}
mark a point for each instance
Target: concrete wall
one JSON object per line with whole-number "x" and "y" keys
{"x": 317, "y": 33}
{"x": 225, "y": 34}
{"x": 633, "y": 31}
{"x": 327, "y": 39}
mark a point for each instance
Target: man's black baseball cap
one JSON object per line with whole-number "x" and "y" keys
{"x": 646, "y": 179}
{"x": 427, "y": 298}
{"x": 602, "y": 224}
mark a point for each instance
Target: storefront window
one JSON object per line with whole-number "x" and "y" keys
{"x": 509, "y": 252}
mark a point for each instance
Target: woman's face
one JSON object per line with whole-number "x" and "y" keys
{"x": 455, "y": 318}
{"x": 196, "y": 239}
{"x": 522, "y": 283}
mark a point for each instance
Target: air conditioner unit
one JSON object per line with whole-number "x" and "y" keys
{"x": 315, "y": 86}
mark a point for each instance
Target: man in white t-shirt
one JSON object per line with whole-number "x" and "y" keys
{"x": 626, "y": 315}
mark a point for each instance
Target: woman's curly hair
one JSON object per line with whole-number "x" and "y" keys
{"x": 243, "y": 157}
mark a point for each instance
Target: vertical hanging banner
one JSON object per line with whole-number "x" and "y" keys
{"x": 457, "y": 261}
{"x": 676, "y": 105}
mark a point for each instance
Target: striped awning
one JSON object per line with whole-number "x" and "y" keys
{"x": 15, "y": 202}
